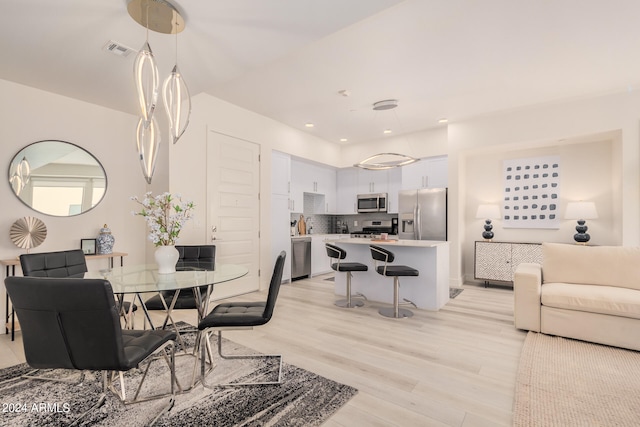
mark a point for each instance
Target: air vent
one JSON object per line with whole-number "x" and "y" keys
{"x": 117, "y": 49}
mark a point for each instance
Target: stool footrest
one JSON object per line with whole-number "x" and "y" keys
{"x": 391, "y": 312}
{"x": 344, "y": 303}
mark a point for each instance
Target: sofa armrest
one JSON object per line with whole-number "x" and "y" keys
{"x": 527, "y": 287}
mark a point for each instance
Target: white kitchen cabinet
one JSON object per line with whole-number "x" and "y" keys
{"x": 319, "y": 260}
{"x": 281, "y": 231}
{"x": 431, "y": 172}
{"x": 280, "y": 173}
{"x": 312, "y": 178}
{"x": 370, "y": 181}
{"x": 394, "y": 182}
{"x": 347, "y": 191}
{"x": 497, "y": 261}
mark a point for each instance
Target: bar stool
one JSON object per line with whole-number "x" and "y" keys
{"x": 395, "y": 271}
{"x": 338, "y": 254}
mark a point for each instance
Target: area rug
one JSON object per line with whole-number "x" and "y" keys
{"x": 565, "y": 382}
{"x": 454, "y": 292}
{"x": 303, "y": 398}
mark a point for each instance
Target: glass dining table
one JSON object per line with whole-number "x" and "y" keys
{"x": 141, "y": 279}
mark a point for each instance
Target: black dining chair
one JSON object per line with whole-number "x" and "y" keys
{"x": 73, "y": 323}
{"x": 197, "y": 257}
{"x": 237, "y": 316}
{"x": 71, "y": 263}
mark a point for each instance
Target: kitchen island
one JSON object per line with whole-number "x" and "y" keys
{"x": 429, "y": 290}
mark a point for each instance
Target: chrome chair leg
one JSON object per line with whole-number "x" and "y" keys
{"x": 241, "y": 356}
{"x": 396, "y": 312}
{"x": 348, "y": 302}
{"x": 31, "y": 376}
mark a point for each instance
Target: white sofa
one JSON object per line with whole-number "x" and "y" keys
{"x": 590, "y": 293}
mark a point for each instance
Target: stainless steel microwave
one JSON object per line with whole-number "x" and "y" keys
{"x": 372, "y": 202}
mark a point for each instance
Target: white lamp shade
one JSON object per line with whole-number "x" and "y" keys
{"x": 581, "y": 210}
{"x": 488, "y": 212}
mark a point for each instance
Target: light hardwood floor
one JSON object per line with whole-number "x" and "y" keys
{"x": 454, "y": 367}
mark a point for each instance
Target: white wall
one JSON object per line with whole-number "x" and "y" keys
{"x": 30, "y": 115}
{"x": 610, "y": 122}
{"x": 586, "y": 171}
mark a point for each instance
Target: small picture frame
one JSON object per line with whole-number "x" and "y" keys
{"x": 88, "y": 246}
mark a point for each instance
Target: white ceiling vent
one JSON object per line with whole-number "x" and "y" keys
{"x": 117, "y": 49}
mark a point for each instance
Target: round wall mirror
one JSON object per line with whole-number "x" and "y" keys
{"x": 57, "y": 178}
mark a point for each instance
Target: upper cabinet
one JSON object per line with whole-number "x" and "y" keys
{"x": 394, "y": 183}
{"x": 280, "y": 173}
{"x": 335, "y": 191}
{"x": 354, "y": 181}
{"x": 372, "y": 181}
{"x": 347, "y": 183}
{"x": 313, "y": 178}
{"x": 427, "y": 173}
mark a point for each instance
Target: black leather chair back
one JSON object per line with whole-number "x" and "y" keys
{"x": 381, "y": 254}
{"x": 68, "y": 323}
{"x": 334, "y": 251}
{"x": 54, "y": 264}
{"x": 198, "y": 256}
{"x": 274, "y": 286}
{"x": 189, "y": 256}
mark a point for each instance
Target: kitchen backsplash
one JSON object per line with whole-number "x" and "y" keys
{"x": 327, "y": 224}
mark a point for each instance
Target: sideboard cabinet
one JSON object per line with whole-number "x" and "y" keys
{"x": 497, "y": 261}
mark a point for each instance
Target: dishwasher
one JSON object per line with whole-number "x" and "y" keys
{"x": 300, "y": 257}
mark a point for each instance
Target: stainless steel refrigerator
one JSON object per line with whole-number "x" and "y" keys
{"x": 422, "y": 214}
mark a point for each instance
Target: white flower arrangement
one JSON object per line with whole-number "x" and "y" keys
{"x": 165, "y": 215}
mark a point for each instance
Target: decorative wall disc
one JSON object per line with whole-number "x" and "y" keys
{"x": 28, "y": 232}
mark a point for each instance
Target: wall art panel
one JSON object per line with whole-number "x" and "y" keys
{"x": 531, "y": 193}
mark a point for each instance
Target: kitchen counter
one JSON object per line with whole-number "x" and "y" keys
{"x": 390, "y": 243}
{"x": 326, "y": 236}
{"x": 429, "y": 290}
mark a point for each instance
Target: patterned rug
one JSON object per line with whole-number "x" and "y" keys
{"x": 454, "y": 292}
{"x": 303, "y": 398}
{"x": 565, "y": 382}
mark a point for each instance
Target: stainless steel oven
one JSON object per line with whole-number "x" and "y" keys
{"x": 372, "y": 202}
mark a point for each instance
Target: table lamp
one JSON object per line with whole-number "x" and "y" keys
{"x": 581, "y": 211}
{"x": 488, "y": 212}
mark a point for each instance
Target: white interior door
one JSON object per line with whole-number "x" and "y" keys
{"x": 233, "y": 185}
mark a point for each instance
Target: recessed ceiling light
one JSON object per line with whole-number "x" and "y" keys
{"x": 309, "y": 125}
{"x": 343, "y": 139}
{"x": 443, "y": 120}
{"x": 387, "y": 131}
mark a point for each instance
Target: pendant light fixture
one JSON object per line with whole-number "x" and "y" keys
{"x": 145, "y": 73}
{"x": 162, "y": 17}
{"x": 384, "y": 161}
{"x": 177, "y": 101}
{"x": 148, "y": 143}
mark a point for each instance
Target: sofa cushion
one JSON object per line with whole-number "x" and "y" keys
{"x": 593, "y": 265}
{"x": 592, "y": 298}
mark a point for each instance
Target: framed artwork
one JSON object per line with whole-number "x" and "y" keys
{"x": 88, "y": 246}
{"x": 531, "y": 193}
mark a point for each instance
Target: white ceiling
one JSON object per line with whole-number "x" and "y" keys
{"x": 287, "y": 59}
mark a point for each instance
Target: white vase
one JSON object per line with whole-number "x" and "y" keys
{"x": 166, "y": 258}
